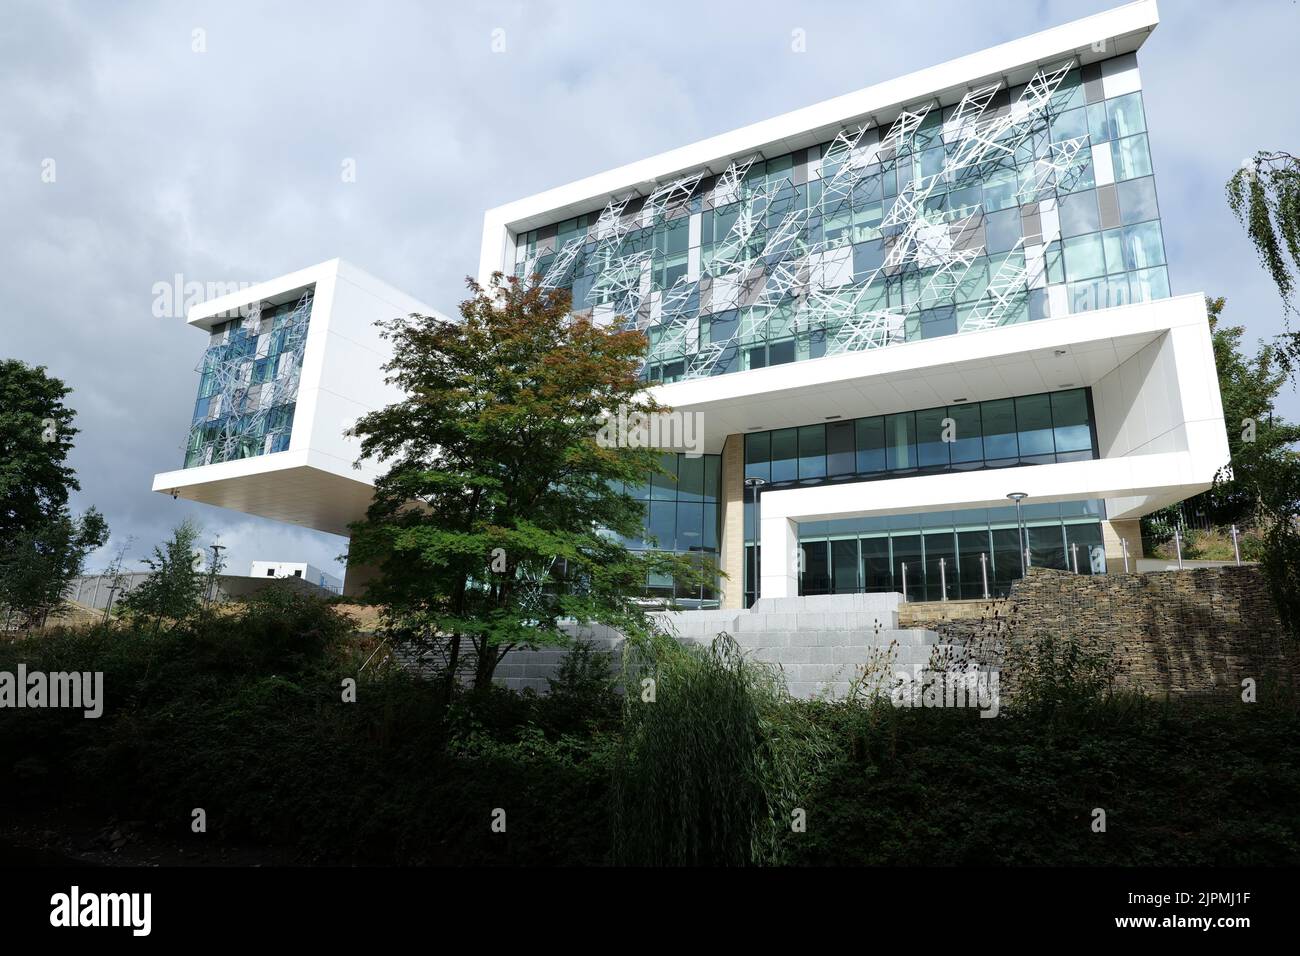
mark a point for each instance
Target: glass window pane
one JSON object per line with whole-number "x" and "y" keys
{"x": 758, "y": 453}
{"x": 690, "y": 527}
{"x": 932, "y": 450}
{"x": 812, "y": 451}
{"x": 710, "y": 540}
{"x": 1034, "y": 423}
{"x": 1084, "y": 257}
{"x": 871, "y": 445}
{"x": 663, "y": 525}
{"x": 664, "y": 486}
{"x": 900, "y": 441}
{"x": 1047, "y": 547}
{"x": 971, "y": 547}
{"x": 712, "y": 477}
{"x": 839, "y": 448}
{"x": 1070, "y": 420}
{"x": 939, "y": 548}
{"x": 844, "y": 566}
{"x": 875, "y": 564}
{"x": 1143, "y": 246}
{"x": 690, "y": 478}
{"x": 1125, "y": 114}
{"x": 966, "y": 445}
{"x": 1079, "y": 213}
{"x": 816, "y": 578}
{"x": 999, "y": 420}
{"x": 1003, "y": 229}
{"x": 1149, "y": 284}
{"x": 907, "y": 565}
{"x": 1137, "y": 200}
{"x": 1130, "y": 157}
{"x": 785, "y": 454}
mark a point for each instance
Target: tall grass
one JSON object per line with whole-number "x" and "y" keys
{"x": 713, "y": 758}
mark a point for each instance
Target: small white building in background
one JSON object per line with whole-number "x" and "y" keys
{"x": 296, "y": 569}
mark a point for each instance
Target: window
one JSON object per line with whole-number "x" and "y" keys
{"x": 1034, "y": 425}
{"x": 871, "y": 444}
{"x": 785, "y": 454}
{"x": 1079, "y": 213}
{"x": 1130, "y": 157}
{"x": 1070, "y": 421}
{"x": 1000, "y": 444}
{"x": 1137, "y": 200}
{"x": 812, "y": 451}
{"x": 1143, "y": 246}
{"x": 931, "y": 448}
{"x": 1084, "y": 257}
{"x": 900, "y": 441}
{"x": 839, "y": 448}
{"x": 966, "y": 446}
{"x": 1125, "y": 115}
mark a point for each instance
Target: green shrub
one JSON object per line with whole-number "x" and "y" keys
{"x": 712, "y": 756}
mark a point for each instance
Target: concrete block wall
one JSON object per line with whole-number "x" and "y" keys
{"x": 820, "y": 643}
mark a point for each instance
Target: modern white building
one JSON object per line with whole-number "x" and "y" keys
{"x": 890, "y": 310}
{"x": 291, "y": 363}
{"x": 295, "y": 569}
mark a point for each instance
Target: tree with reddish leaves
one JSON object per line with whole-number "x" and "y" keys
{"x": 501, "y": 513}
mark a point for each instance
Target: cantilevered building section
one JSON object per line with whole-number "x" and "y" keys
{"x": 896, "y": 307}
{"x": 891, "y": 310}
{"x": 290, "y": 365}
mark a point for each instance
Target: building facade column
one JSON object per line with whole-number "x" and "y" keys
{"x": 1112, "y": 532}
{"x": 779, "y": 575}
{"x": 731, "y": 536}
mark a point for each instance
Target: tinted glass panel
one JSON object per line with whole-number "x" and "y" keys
{"x": 1034, "y": 422}
{"x": 871, "y": 444}
{"x": 839, "y": 448}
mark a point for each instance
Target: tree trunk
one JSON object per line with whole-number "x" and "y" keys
{"x": 453, "y": 662}
{"x": 485, "y": 665}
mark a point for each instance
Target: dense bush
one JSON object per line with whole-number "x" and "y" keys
{"x": 243, "y": 716}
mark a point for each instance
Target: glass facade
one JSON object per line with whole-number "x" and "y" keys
{"x": 957, "y": 550}
{"x": 682, "y": 516}
{"x": 249, "y": 384}
{"x": 1029, "y": 430}
{"x": 1011, "y": 206}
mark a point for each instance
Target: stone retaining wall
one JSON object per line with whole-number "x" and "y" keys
{"x": 1176, "y": 632}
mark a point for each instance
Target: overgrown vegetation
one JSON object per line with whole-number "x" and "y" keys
{"x": 712, "y": 756}
{"x": 244, "y": 716}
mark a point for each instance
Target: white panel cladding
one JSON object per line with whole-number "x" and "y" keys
{"x": 1119, "y": 75}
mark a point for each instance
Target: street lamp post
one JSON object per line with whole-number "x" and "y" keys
{"x": 216, "y": 558}
{"x": 1023, "y": 544}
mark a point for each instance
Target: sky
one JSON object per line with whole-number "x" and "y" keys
{"x": 207, "y": 140}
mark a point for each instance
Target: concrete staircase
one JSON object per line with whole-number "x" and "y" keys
{"x": 820, "y": 643}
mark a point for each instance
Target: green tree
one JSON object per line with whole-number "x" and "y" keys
{"x": 173, "y": 591}
{"x": 41, "y": 561}
{"x": 501, "y": 512}
{"x": 42, "y": 547}
{"x": 35, "y": 437}
{"x": 1264, "y": 194}
{"x": 1259, "y": 440}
